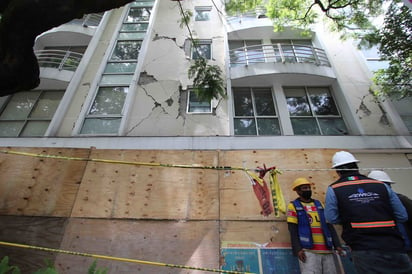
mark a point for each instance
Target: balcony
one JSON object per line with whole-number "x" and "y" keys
{"x": 57, "y": 67}
{"x": 58, "y": 59}
{"x": 278, "y": 53}
{"x": 88, "y": 20}
{"x": 284, "y": 63}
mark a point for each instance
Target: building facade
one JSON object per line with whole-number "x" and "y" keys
{"x": 119, "y": 81}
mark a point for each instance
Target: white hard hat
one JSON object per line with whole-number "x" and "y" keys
{"x": 342, "y": 158}
{"x": 380, "y": 176}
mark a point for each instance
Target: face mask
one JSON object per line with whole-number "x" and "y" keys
{"x": 306, "y": 194}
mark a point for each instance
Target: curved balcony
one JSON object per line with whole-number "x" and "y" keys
{"x": 278, "y": 53}
{"x": 88, "y": 20}
{"x": 58, "y": 65}
{"x": 58, "y": 59}
{"x": 279, "y": 59}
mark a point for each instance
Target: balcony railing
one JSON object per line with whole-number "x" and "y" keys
{"x": 278, "y": 53}
{"x": 88, "y": 20}
{"x": 59, "y": 59}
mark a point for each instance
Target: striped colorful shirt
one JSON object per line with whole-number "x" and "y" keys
{"x": 319, "y": 245}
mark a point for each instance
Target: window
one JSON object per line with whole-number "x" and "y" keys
{"x": 195, "y": 105}
{"x": 373, "y": 59}
{"x": 202, "y": 13}
{"x": 106, "y": 112}
{"x": 292, "y": 51}
{"x": 29, "y": 113}
{"x": 313, "y": 111}
{"x": 255, "y": 112}
{"x": 403, "y": 107}
{"x": 202, "y": 49}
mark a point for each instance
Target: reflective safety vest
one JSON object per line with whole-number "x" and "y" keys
{"x": 366, "y": 214}
{"x": 304, "y": 228}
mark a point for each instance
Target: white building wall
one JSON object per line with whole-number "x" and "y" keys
{"x": 159, "y": 107}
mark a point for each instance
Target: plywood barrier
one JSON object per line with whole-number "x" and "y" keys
{"x": 156, "y": 213}
{"x": 33, "y": 186}
{"x": 192, "y": 243}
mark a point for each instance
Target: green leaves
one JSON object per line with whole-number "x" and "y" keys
{"x": 6, "y": 268}
{"x": 394, "y": 40}
{"x": 208, "y": 80}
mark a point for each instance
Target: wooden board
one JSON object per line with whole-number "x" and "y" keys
{"x": 111, "y": 190}
{"x": 184, "y": 243}
{"x": 238, "y": 201}
{"x": 267, "y": 233}
{"x": 37, "y": 231}
{"x": 36, "y": 186}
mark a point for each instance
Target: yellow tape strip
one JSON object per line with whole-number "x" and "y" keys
{"x": 119, "y": 259}
{"x": 120, "y": 162}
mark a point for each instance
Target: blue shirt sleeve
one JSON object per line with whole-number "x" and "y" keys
{"x": 398, "y": 209}
{"x": 331, "y": 207}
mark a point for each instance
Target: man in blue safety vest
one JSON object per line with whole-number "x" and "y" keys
{"x": 368, "y": 211}
{"x": 313, "y": 240}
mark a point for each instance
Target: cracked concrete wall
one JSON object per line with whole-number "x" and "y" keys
{"x": 161, "y": 96}
{"x": 354, "y": 79}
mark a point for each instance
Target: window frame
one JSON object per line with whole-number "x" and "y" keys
{"x": 201, "y": 42}
{"x": 255, "y": 116}
{"x": 313, "y": 115}
{"x": 203, "y": 9}
{"x": 26, "y": 121}
{"x": 190, "y": 91}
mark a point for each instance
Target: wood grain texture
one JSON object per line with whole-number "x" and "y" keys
{"x": 238, "y": 201}
{"x": 134, "y": 191}
{"x": 35, "y": 186}
{"x": 184, "y": 243}
{"x": 37, "y": 231}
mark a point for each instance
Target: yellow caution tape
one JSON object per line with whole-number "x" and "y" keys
{"x": 279, "y": 204}
{"x": 196, "y": 166}
{"x": 119, "y": 259}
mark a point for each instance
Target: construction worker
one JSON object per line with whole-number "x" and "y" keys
{"x": 368, "y": 211}
{"x": 312, "y": 238}
{"x": 405, "y": 228}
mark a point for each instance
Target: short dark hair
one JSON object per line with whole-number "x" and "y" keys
{"x": 347, "y": 168}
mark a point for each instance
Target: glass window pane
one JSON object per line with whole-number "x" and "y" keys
{"x": 195, "y": 105}
{"x": 20, "y": 105}
{"x": 142, "y": 3}
{"x": 120, "y": 67}
{"x": 245, "y": 126}
{"x": 254, "y": 51}
{"x": 237, "y": 52}
{"x": 264, "y": 102}
{"x": 126, "y": 50}
{"x": 138, "y": 14}
{"x": 202, "y": 15}
{"x": 109, "y": 100}
{"x": 135, "y": 27}
{"x": 408, "y": 121}
{"x": 202, "y": 50}
{"x": 47, "y": 105}
{"x": 305, "y": 126}
{"x": 119, "y": 79}
{"x": 131, "y": 35}
{"x": 243, "y": 102}
{"x": 10, "y": 129}
{"x": 297, "y": 102}
{"x": 304, "y": 51}
{"x": 322, "y": 102}
{"x": 267, "y": 126}
{"x": 332, "y": 126}
{"x": 101, "y": 126}
{"x": 35, "y": 128}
